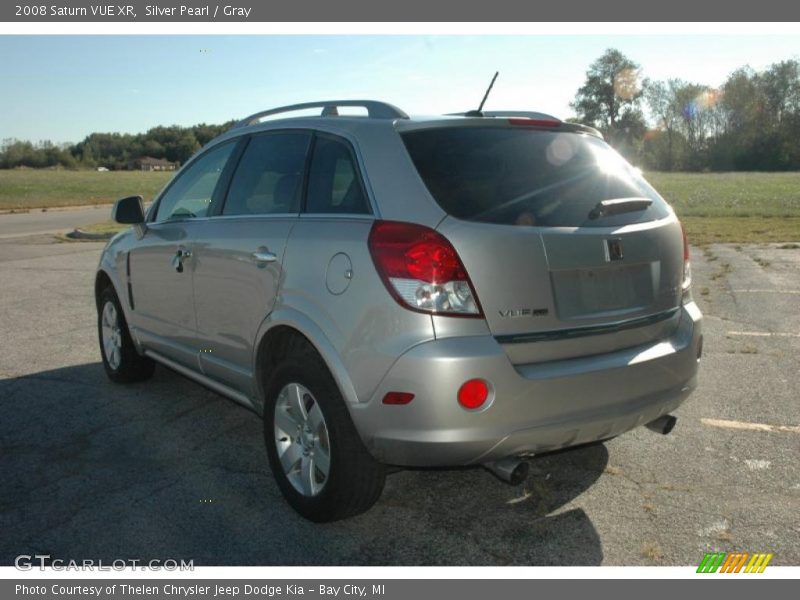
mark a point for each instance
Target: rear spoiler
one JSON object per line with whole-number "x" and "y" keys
{"x": 535, "y": 116}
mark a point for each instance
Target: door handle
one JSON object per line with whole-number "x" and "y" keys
{"x": 177, "y": 260}
{"x": 264, "y": 256}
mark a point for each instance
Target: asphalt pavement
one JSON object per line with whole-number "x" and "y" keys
{"x": 168, "y": 469}
{"x": 52, "y": 220}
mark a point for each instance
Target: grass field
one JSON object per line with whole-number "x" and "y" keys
{"x": 715, "y": 207}
{"x": 730, "y": 194}
{"x": 734, "y": 207}
{"x": 43, "y": 188}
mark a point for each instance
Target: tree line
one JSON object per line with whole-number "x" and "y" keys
{"x": 749, "y": 123}
{"x": 111, "y": 150}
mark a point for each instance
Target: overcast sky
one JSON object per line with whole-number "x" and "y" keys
{"x": 64, "y": 87}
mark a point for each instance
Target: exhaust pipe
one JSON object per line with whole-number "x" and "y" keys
{"x": 663, "y": 424}
{"x": 510, "y": 469}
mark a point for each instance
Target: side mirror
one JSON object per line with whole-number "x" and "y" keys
{"x": 128, "y": 211}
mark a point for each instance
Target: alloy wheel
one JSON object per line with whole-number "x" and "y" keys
{"x": 301, "y": 437}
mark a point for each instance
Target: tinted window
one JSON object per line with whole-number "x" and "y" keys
{"x": 527, "y": 177}
{"x": 334, "y": 185}
{"x": 269, "y": 177}
{"x": 191, "y": 194}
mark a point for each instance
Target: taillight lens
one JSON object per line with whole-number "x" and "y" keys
{"x": 421, "y": 269}
{"x": 687, "y": 265}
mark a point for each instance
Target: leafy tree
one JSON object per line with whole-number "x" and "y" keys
{"x": 780, "y": 85}
{"x": 609, "y": 100}
{"x": 660, "y": 97}
{"x": 185, "y": 146}
{"x": 87, "y": 157}
{"x": 691, "y": 100}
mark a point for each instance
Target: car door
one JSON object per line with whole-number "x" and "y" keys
{"x": 161, "y": 262}
{"x": 239, "y": 252}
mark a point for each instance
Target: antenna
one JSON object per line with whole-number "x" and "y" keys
{"x": 478, "y": 113}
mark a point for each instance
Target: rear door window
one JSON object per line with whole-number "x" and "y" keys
{"x": 520, "y": 176}
{"x": 334, "y": 185}
{"x": 269, "y": 177}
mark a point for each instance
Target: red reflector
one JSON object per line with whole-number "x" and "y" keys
{"x": 473, "y": 394}
{"x": 535, "y": 122}
{"x": 398, "y": 398}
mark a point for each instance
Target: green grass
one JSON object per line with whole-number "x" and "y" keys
{"x": 734, "y": 207}
{"x": 109, "y": 228}
{"x": 45, "y": 188}
{"x": 105, "y": 227}
{"x": 730, "y": 194}
{"x": 743, "y": 230}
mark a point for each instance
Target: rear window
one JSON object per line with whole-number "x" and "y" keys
{"x": 517, "y": 176}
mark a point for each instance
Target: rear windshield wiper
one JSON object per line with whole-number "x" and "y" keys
{"x": 620, "y": 205}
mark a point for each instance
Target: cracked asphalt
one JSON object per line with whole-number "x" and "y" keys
{"x": 168, "y": 469}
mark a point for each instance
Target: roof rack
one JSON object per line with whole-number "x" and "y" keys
{"x": 375, "y": 110}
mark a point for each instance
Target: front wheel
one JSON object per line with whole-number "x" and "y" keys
{"x": 318, "y": 459}
{"x": 121, "y": 361}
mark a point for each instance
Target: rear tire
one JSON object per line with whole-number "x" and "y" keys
{"x": 317, "y": 457}
{"x": 121, "y": 361}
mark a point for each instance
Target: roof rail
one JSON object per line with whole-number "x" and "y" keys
{"x": 375, "y": 110}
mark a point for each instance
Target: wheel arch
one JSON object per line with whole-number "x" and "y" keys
{"x": 102, "y": 280}
{"x": 271, "y": 339}
{"x": 105, "y": 278}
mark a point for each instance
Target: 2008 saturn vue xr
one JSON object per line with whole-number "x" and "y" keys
{"x": 386, "y": 290}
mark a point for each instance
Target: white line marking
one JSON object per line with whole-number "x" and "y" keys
{"x": 765, "y": 291}
{"x": 756, "y": 464}
{"x": 764, "y": 333}
{"x": 749, "y": 426}
{"x": 525, "y": 495}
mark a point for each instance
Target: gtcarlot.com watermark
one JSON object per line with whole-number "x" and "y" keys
{"x": 28, "y": 562}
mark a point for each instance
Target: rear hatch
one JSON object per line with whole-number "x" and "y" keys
{"x": 570, "y": 251}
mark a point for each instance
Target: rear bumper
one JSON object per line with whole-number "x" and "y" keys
{"x": 532, "y": 408}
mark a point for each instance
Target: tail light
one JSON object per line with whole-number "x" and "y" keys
{"x": 687, "y": 265}
{"x": 421, "y": 269}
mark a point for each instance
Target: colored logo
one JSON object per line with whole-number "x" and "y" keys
{"x": 734, "y": 562}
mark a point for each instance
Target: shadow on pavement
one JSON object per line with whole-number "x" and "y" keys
{"x": 168, "y": 470}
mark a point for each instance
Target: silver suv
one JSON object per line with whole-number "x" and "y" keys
{"x": 384, "y": 290}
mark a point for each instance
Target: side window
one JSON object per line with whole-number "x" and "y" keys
{"x": 190, "y": 196}
{"x": 333, "y": 183}
{"x": 269, "y": 177}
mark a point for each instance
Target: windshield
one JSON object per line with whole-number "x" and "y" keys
{"x": 519, "y": 176}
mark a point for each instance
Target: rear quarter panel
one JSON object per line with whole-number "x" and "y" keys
{"x": 364, "y": 325}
